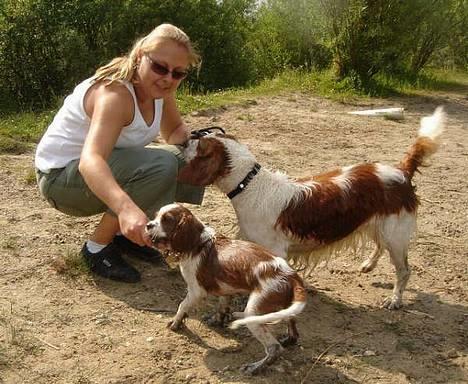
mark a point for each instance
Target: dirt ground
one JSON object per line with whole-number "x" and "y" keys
{"x": 58, "y": 324}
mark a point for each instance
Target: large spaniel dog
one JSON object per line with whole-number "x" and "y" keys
{"x": 308, "y": 219}
{"x": 216, "y": 265}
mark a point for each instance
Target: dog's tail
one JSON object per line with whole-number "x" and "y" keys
{"x": 297, "y": 306}
{"x": 426, "y": 144}
{"x": 293, "y": 310}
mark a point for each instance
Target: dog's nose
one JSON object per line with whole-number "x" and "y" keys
{"x": 149, "y": 226}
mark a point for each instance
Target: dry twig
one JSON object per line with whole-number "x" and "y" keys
{"x": 326, "y": 351}
{"x": 46, "y": 343}
{"x": 156, "y": 310}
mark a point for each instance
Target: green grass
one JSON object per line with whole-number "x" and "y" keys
{"x": 70, "y": 265}
{"x": 426, "y": 81}
{"x": 19, "y": 131}
{"x": 319, "y": 83}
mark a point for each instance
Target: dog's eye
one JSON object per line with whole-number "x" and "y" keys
{"x": 168, "y": 222}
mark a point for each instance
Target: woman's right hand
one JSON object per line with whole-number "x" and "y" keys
{"x": 132, "y": 221}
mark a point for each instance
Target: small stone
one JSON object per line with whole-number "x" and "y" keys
{"x": 149, "y": 339}
{"x": 452, "y": 354}
{"x": 369, "y": 353}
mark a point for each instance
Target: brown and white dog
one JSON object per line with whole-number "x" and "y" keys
{"x": 215, "y": 265}
{"x": 309, "y": 219}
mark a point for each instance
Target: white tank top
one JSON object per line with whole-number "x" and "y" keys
{"x": 65, "y": 136}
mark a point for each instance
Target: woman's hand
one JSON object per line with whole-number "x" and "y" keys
{"x": 132, "y": 221}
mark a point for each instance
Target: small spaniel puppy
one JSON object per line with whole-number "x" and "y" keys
{"x": 218, "y": 266}
{"x": 309, "y": 219}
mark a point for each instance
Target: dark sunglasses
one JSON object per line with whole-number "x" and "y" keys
{"x": 163, "y": 71}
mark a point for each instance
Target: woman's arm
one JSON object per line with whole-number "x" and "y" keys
{"x": 111, "y": 108}
{"x": 173, "y": 129}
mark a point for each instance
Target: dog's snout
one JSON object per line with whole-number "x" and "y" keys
{"x": 150, "y": 225}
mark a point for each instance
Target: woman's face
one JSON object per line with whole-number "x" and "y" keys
{"x": 161, "y": 70}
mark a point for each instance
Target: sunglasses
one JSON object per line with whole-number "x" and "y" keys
{"x": 163, "y": 71}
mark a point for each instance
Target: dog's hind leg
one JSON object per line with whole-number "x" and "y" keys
{"x": 397, "y": 232}
{"x": 272, "y": 349}
{"x": 223, "y": 313}
{"x": 260, "y": 331}
{"x": 292, "y": 336}
{"x": 371, "y": 262}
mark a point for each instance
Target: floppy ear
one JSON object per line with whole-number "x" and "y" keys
{"x": 186, "y": 236}
{"x": 209, "y": 164}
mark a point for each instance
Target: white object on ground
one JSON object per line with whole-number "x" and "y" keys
{"x": 388, "y": 113}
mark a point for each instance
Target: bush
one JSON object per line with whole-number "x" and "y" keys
{"x": 288, "y": 35}
{"x": 387, "y": 36}
{"x": 47, "y": 46}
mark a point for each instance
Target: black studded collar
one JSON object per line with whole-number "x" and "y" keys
{"x": 240, "y": 187}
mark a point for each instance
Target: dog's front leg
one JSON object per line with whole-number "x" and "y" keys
{"x": 185, "y": 306}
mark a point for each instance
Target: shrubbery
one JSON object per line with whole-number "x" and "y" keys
{"x": 47, "y": 46}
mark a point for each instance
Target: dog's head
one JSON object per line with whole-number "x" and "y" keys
{"x": 176, "y": 229}
{"x": 209, "y": 158}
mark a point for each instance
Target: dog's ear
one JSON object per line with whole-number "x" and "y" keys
{"x": 186, "y": 236}
{"x": 209, "y": 164}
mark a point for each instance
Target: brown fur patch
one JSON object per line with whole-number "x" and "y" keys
{"x": 211, "y": 162}
{"x": 421, "y": 149}
{"x": 325, "y": 213}
{"x": 292, "y": 290}
{"x": 182, "y": 228}
{"x": 231, "y": 262}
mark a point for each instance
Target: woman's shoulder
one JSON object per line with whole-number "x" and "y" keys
{"x": 116, "y": 95}
{"x": 115, "y": 89}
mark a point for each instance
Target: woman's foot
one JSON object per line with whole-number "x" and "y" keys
{"x": 129, "y": 248}
{"x": 109, "y": 263}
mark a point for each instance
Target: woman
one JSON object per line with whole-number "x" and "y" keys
{"x": 93, "y": 159}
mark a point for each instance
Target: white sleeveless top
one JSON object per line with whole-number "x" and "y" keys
{"x": 65, "y": 136}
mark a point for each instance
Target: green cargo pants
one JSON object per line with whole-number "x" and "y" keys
{"x": 148, "y": 175}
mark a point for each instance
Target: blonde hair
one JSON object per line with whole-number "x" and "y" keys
{"x": 124, "y": 67}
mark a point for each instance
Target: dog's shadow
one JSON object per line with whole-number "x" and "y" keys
{"x": 339, "y": 342}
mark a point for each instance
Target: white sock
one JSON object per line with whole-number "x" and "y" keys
{"x": 94, "y": 247}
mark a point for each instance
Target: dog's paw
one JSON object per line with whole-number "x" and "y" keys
{"x": 367, "y": 266}
{"x": 392, "y": 302}
{"x": 174, "y": 325}
{"x": 252, "y": 368}
{"x": 287, "y": 340}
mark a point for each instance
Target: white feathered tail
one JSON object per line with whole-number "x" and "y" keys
{"x": 293, "y": 310}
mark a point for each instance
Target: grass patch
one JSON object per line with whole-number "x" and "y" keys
{"x": 13, "y": 343}
{"x": 19, "y": 131}
{"x": 10, "y": 243}
{"x": 30, "y": 176}
{"x": 70, "y": 265}
{"x": 428, "y": 80}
